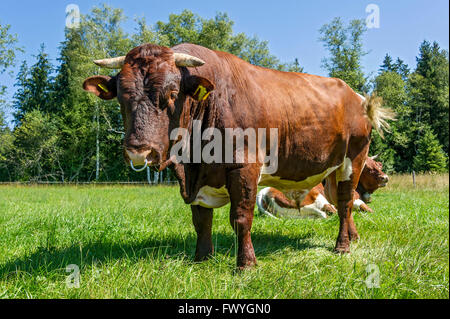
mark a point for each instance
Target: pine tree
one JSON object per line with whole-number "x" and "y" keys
{"x": 21, "y": 98}
{"x": 401, "y": 68}
{"x": 34, "y": 87}
{"x": 398, "y": 66}
{"x": 387, "y": 65}
{"x": 430, "y": 157}
{"x": 428, "y": 88}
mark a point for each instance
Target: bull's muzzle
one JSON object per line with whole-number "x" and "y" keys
{"x": 139, "y": 159}
{"x": 384, "y": 181}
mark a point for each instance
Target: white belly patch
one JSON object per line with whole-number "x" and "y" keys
{"x": 210, "y": 197}
{"x": 321, "y": 201}
{"x": 315, "y": 209}
{"x": 283, "y": 184}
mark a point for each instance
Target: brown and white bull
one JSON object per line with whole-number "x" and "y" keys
{"x": 323, "y": 128}
{"x": 274, "y": 203}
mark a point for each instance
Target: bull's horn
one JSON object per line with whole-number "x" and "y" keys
{"x": 374, "y": 157}
{"x": 182, "y": 59}
{"x": 112, "y": 63}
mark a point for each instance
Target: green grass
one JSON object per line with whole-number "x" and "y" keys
{"x": 138, "y": 242}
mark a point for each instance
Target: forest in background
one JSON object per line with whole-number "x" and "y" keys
{"x": 60, "y": 133}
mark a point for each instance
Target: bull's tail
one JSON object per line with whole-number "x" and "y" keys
{"x": 263, "y": 197}
{"x": 377, "y": 114}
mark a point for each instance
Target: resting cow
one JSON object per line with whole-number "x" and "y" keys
{"x": 274, "y": 203}
{"x": 323, "y": 130}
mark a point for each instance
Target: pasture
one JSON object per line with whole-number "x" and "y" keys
{"x": 139, "y": 242}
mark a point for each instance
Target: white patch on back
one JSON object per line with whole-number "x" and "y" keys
{"x": 344, "y": 172}
{"x": 362, "y": 97}
{"x": 357, "y": 203}
{"x": 315, "y": 209}
{"x": 210, "y": 197}
{"x": 321, "y": 201}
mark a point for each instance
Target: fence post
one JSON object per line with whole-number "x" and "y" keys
{"x": 148, "y": 175}
{"x": 414, "y": 178}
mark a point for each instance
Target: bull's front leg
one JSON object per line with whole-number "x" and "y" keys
{"x": 242, "y": 187}
{"x": 202, "y": 218}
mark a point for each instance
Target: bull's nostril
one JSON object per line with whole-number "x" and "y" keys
{"x": 138, "y": 158}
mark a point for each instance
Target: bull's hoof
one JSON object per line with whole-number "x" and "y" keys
{"x": 246, "y": 267}
{"x": 342, "y": 249}
{"x": 199, "y": 259}
{"x": 366, "y": 208}
{"x": 329, "y": 209}
{"x": 247, "y": 264}
{"x": 203, "y": 255}
{"x": 353, "y": 236}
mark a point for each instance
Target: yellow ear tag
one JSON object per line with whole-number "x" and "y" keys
{"x": 103, "y": 88}
{"x": 202, "y": 95}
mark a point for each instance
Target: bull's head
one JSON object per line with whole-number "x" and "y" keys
{"x": 372, "y": 176}
{"x": 152, "y": 88}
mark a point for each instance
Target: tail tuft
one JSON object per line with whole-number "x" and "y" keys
{"x": 377, "y": 114}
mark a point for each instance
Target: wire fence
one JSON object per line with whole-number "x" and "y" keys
{"x": 49, "y": 183}
{"x": 153, "y": 179}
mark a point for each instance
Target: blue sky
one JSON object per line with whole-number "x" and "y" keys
{"x": 291, "y": 27}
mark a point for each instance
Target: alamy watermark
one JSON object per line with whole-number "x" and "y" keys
{"x": 373, "y": 276}
{"x": 72, "y": 16}
{"x": 73, "y": 280}
{"x": 251, "y": 139}
{"x": 373, "y": 19}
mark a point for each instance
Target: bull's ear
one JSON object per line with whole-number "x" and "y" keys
{"x": 198, "y": 87}
{"x": 105, "y": 87}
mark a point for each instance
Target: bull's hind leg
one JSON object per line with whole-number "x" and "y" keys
{"x": 348, "y": 179}
{"x": 242, "y": 186}
{"x": 202, "y": 218}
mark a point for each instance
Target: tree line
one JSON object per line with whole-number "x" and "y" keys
{"x": 60, "y": 133}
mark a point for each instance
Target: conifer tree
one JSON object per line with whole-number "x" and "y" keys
{"x": 430, "y": 157}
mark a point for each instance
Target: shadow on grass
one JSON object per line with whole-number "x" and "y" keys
{"x": 47, "y": 259}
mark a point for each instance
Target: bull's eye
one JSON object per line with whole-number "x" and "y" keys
{"x": 146, "y": 80}
{"x": 174, "y": 95}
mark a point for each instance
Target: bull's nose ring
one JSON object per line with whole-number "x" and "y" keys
{"x": 138, "y": 169}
